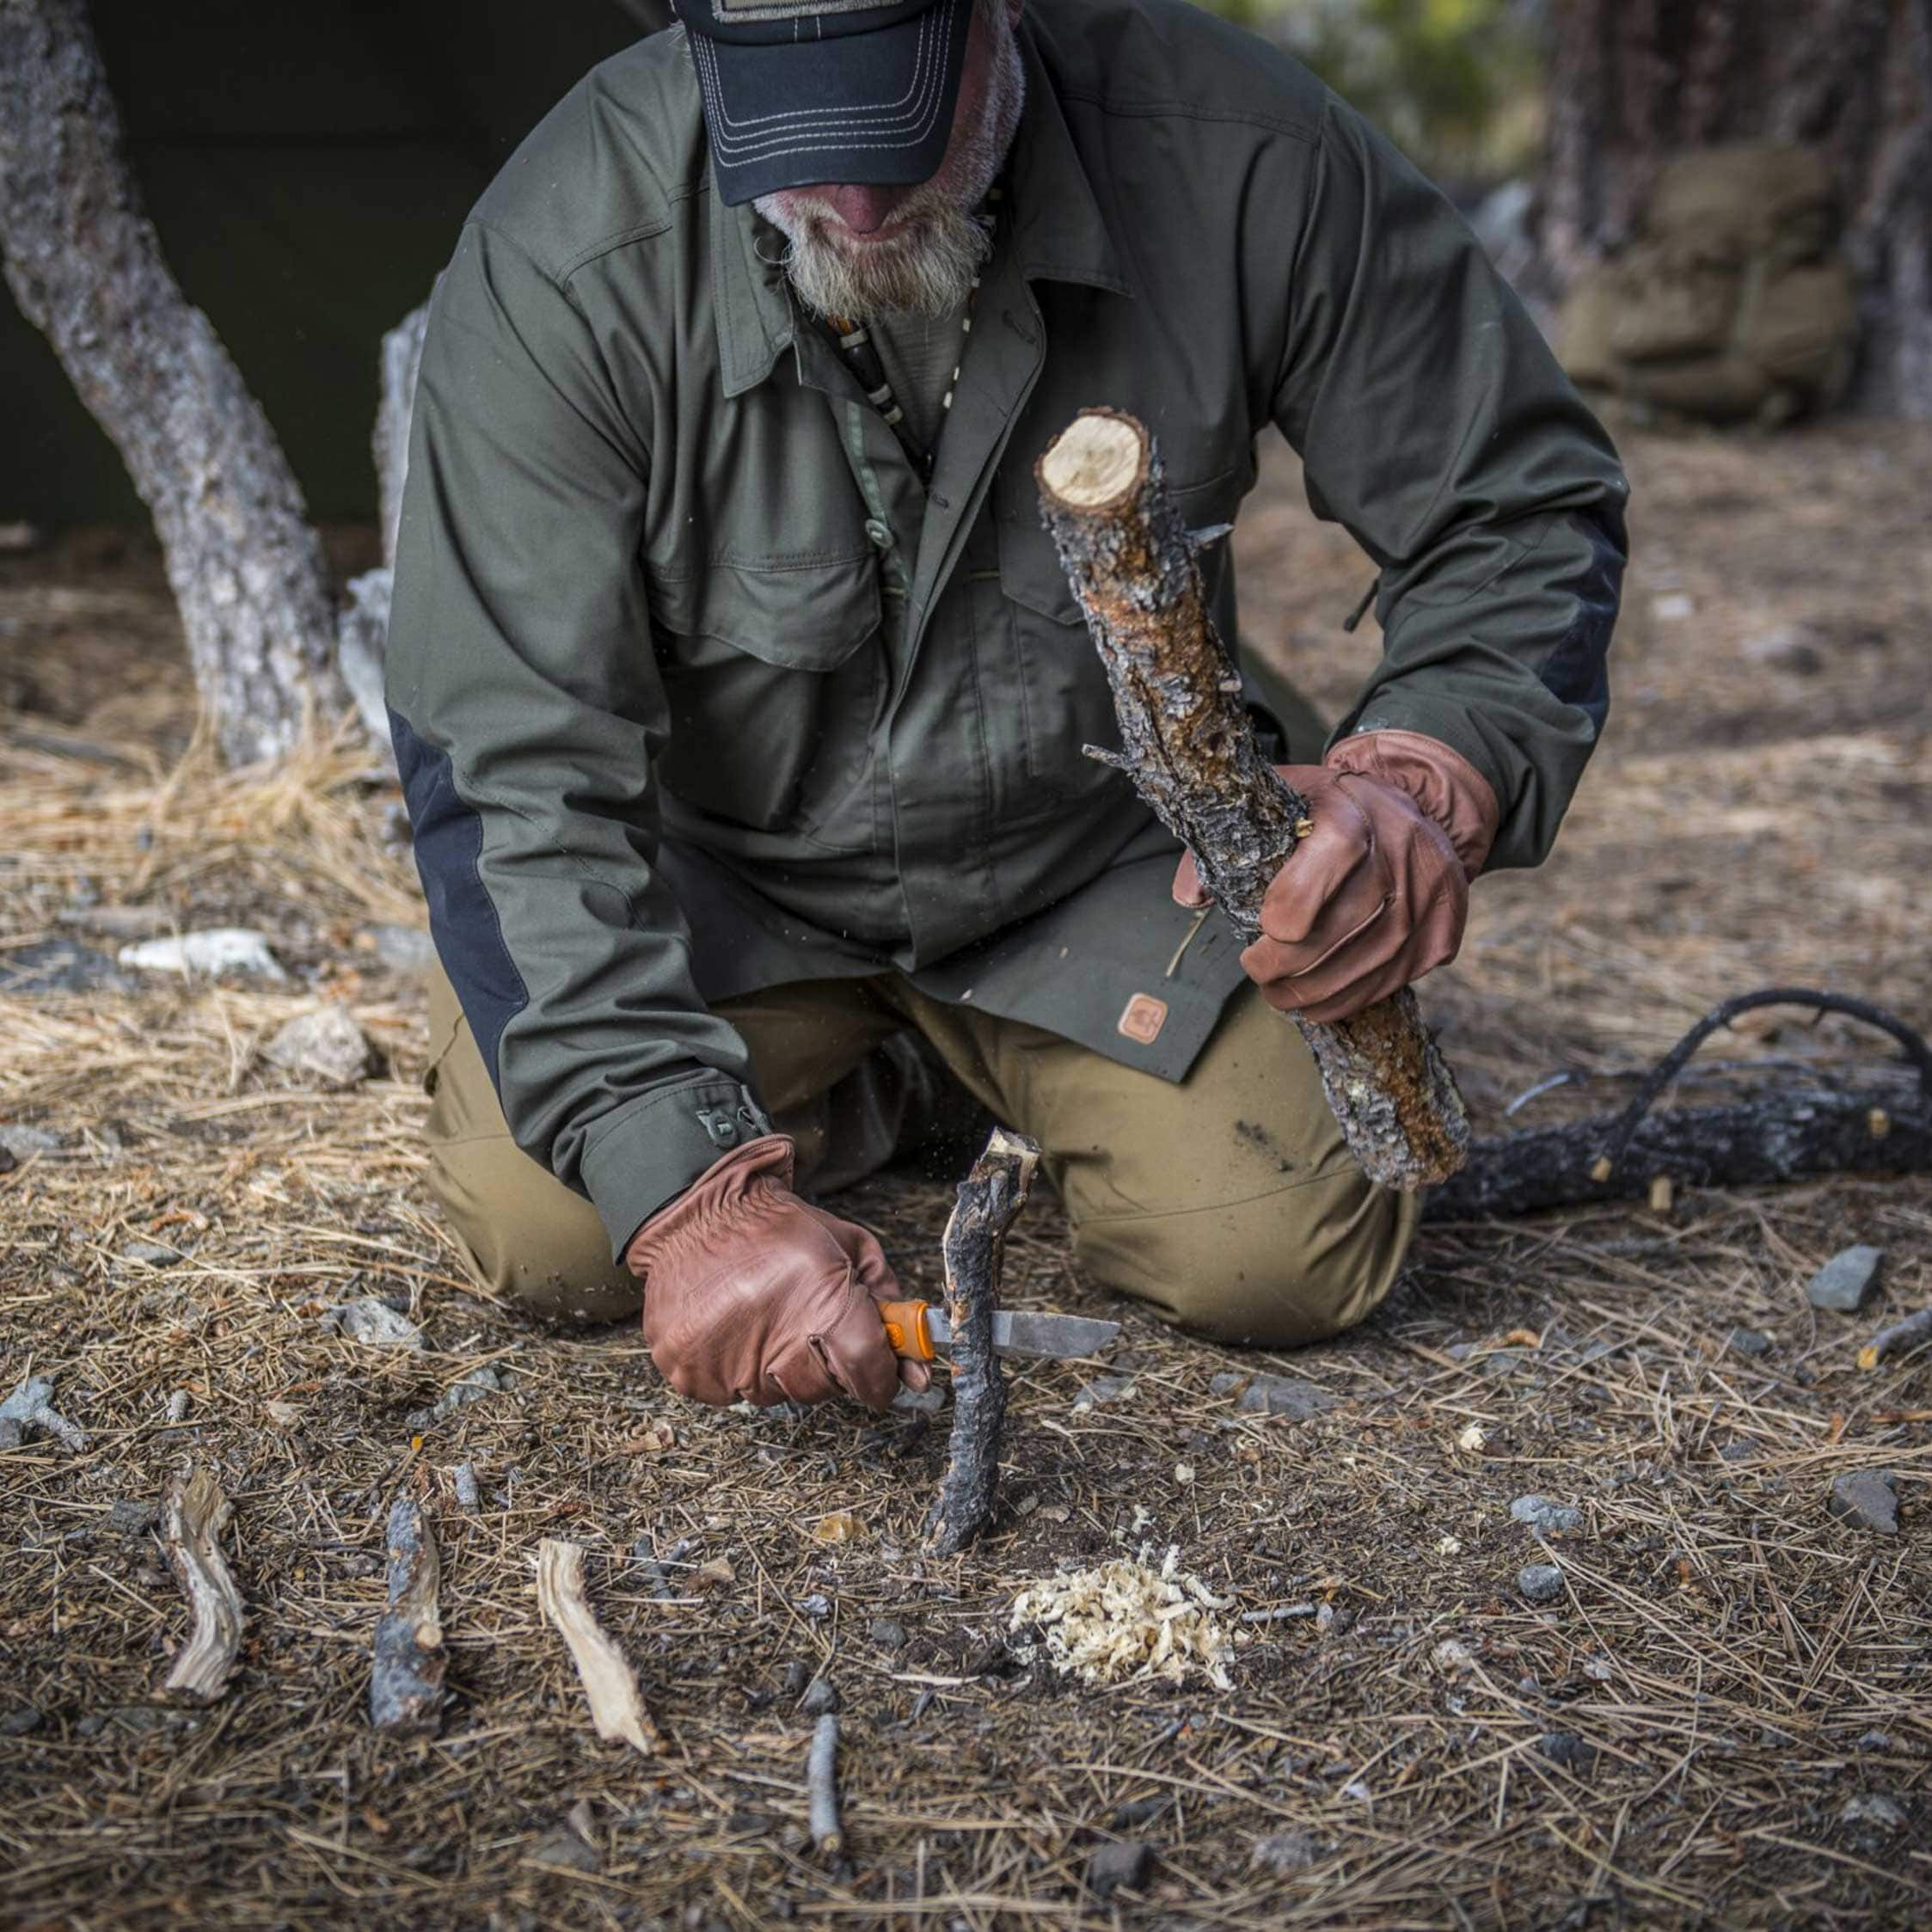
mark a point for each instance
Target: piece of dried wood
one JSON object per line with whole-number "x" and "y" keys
{"x": 617, "y": 1704}
{"x": 974, "y": 1248}
{"x": 821, "y": 1788}
{"x": 1189, "y": 747}
{"x": 194, "y": 1512}
{"x": 406, "y": 1673}
{"x": 1897, "y": 1339}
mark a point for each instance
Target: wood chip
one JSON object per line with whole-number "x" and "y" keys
{"x": 194, "y": 1516}
{"x": 616, "y": 1704}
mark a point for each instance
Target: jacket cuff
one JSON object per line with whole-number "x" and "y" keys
{"x": 651, "y": 1151}
{"x": 1445, "y": 785}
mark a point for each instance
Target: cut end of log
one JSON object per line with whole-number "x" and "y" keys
{"x": 1098, "y": 461}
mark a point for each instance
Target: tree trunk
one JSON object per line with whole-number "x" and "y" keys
{"x": 86, "y": 267}
{"x": 1633, "y": 81}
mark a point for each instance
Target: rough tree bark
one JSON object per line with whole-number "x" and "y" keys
{"x": 1191, "y": 752}
{"x": 1632, "y": 81}
{"x": 86, "y": 267}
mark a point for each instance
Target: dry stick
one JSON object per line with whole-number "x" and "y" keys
{"x": 194, "y": 1512}
{"x": 821, "y": 1788}
{"x": 609, "y": 1683}
{"x": 974, "y": 1248}
{"x": 1896, "y": 1340}
{"x": 405, "y": 1676}
{"x": 1189, "y": 750}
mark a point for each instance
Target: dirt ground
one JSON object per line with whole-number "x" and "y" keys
{"x": 1724, "y": 1717}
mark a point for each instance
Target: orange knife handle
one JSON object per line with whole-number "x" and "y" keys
{"x": 905, "y": 1329}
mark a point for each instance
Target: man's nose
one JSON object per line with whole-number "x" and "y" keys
{"x": 865, "y": 209}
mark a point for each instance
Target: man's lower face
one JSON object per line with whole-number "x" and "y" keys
{"x": 921, "y": 261}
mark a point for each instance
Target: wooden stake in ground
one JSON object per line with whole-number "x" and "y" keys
{"x": 1191, "y": 752}
{"x": 406, "y": 1679}
{"x": 193, "y": 1515}
{"x": 616, "y": 1704}
{"x": 990, "y": 1198}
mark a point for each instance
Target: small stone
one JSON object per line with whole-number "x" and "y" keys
{"x": 1545, "y": 1517}
{"x": 1452, "y": 1657}
{"x": 468, "y": 1496}
{"x": 221, "y": 950}
{"x": 178, "y": 1406}
{"x": 1672, "y": 608}
{"x": 1274, "y": 1394}
{"x": 130, "y": 1517}
{"x": 152, "y": 1254}
{"x": 1875, "y": 1741}
{"x": 59, "y": 966}
{"x": 1846, "y": 1281}
{"x": 1286, "y": 1852}
{"x": 919, "y": 1402}
{"x": 1107, "y": 1388}
{"x": 797, "y": 1676}
{"x": 376, "y": 1325}
{"x": 23, "y": 1142}
{"x": 563, "y": 1850}
{"x": 1782, "y": 649}
{"x": 717, "y": 1575}
{"x": 1541, "y": 1583}
{"x": 31, "y": 1406}
{"x": 1872, "y": 1808}
{"x": 817, "y": 1606}
{"x": 1139, "y": 1812}
{"x": 1737, "y": 1452}
{"x": 326, "y": 1046}
{"x": 402, "y": 949}
{"x": 1867, "y": 1502}
{"x": 821, "y": 1697}
{"x": 1113, "y": 1866}
{"x": 887, "y": 1634}
{"x": 471, "y": 1387}
{"x": 1748, "y": 1341}
{"x": 1566, "y": 1748}
{"x": 21, "y": 1720}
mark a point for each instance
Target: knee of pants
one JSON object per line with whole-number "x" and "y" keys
{"x": 1278, "y": 1271}
{"x": 527, "y": 1238}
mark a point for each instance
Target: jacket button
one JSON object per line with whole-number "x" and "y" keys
{"x": 879, "y": 535}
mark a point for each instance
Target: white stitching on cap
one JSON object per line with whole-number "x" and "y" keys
{"x": 928, "y": 86}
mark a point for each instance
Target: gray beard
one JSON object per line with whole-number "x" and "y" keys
{"x": 929, "y": 269}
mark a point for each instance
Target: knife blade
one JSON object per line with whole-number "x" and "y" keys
{"x": 919, "y": 1330}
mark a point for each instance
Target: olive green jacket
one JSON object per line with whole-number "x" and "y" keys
{"x": 697, "y": 690}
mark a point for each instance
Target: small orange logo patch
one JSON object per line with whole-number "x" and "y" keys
{"x": 1143, "y": 1019}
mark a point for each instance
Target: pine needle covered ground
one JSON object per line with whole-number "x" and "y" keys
{"x": 1722, "y": 1714}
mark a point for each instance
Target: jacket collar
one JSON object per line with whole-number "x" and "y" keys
{"x": 1059, "y": 233}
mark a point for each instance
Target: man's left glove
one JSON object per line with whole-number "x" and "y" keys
{"x": 1379, "y": 893}
{"x": 752, "y": 1295}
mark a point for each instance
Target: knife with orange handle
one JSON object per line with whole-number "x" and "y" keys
{"x": 919, "y": 1332}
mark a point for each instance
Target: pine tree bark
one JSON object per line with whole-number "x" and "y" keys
{"x": 1634, "y": 80}
{"x": 86, "y": 267}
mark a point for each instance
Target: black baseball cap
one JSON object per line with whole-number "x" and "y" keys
{"x": 801, "y": 91}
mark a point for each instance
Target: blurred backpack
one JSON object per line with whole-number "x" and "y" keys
{"x": 1732, "y": 302}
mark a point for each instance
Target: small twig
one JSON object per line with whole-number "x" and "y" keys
{"x": 469, "y": 1499}
{"x": 1283, "y": 1613}
{"x": 30, "y": 1407}
{"x": 194, "y": 1516}
{"x": 990, "y": 1198}
{"x": 405, "y": 1676}
{"x": 821, "y": 1786}
{"x": 609, "y": 1683}
{"x": 1896, "y": 1340}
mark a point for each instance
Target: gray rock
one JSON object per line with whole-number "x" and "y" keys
{"x": 1846, "y": 1281}
{"x": 59, "y": 966}
{"x": 920, "y": 1401}
{"x": 152, "y": 1254}
{"x": 130, "y": 1517}
{"x": 1113, "y": 1866}
{"x": 1866, "y": 1500}
{"x": 797, "y": 1676}
{"x": 1875, "y": 1741}
{"x": 473, "y": 1388}
{"x": 21, "y": 1720}
{"x": 821, "y": 1697}
{"x": 1541, "y": 1583}
{"x": 1748, "y": 1341}
{"x": 1107, "y": 1388}
{"x": 31, "y": 1406}
{"x": 1546, "y": 1517}
{"x": 221, "y": 949}
{"x": 1286, "y": 1852}
{"x": 376, "y": 1325}
{"x": 563, "y": 1850}
{"x": 326, "y": 1046}
{"x": 403, "y": 948}
{"x": 23, "y": 1142}
{"x": 1274, "y": 1394}
{"x": 1566, "y": 1748}
{"x": 1872, "y": 1808}
{"x": 1737, "y": 1452}
{"x": 887, "y": 1634}
{"x": 1782, "y": 649}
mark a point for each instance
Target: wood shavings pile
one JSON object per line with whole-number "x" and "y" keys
{"x": 1127, "y": 1622}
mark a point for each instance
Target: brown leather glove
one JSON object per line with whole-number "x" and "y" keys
{"x": 750, "y": 1295}
{"x": 1377, "y": 894}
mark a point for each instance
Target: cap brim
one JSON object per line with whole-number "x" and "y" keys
{"x": 880, "y": 112}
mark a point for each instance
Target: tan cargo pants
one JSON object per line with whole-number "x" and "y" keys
{"x": 1227, "y": 1202}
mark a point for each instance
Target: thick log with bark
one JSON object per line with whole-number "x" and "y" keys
{"x": 86, "y": 267}
{"x": 1191, "y": 752}
{"x": 405, "y": 1676}
{"x": 991, "y": 1199}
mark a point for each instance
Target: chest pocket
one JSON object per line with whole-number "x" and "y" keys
{"x": 776, "y": 677}
{"x": 1067, "y": 702}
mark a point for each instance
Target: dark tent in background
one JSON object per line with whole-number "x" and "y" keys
{"x": 307, "y": 166}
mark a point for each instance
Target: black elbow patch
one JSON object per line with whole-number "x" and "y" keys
{"x": 1577, "y": 672}
{"x": 449, "y": 845}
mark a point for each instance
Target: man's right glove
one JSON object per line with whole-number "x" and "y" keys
{"x": 750, "y": 1295}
